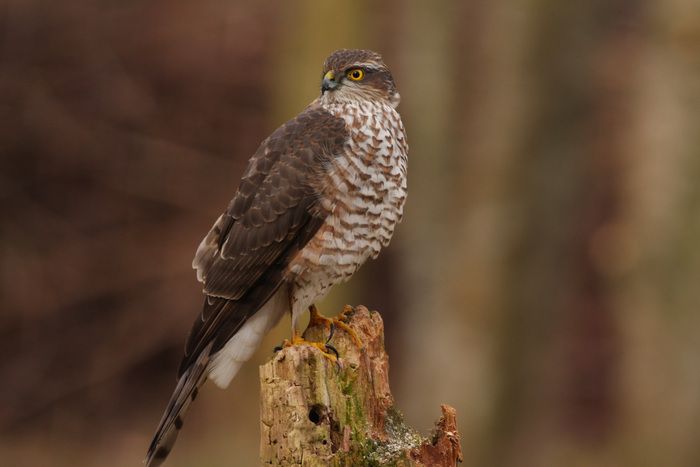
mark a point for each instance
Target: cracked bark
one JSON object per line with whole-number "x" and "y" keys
{"x": 315, "y": 412}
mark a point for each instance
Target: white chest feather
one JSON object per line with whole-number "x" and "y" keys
{"x": 365, "y": 194}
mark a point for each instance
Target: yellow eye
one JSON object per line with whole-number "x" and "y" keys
{"x": 356, "y": 74}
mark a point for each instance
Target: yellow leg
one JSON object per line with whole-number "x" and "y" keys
{"x": 298, "y": 340}
{"x": 339, "y": 321}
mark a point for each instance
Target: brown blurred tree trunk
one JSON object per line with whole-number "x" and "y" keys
{"x": 561, "y": 348}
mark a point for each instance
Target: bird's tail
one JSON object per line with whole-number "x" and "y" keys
{"x": 185, "y": 392}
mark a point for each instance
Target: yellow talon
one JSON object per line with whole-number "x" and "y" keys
{"x": 339, "y": 321}
{"x": 298, "y": 340}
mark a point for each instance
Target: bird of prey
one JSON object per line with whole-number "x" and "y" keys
{"x": 320, "y": 196}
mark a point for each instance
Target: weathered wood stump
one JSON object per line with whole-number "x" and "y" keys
{"x": 315, "y": 412}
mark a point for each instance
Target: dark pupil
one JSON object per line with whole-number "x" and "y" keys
{"x": 356, "y": 74}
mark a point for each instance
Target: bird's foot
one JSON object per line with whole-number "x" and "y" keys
{"x": 340, "y": 321}
{"x": 327, "y": 350}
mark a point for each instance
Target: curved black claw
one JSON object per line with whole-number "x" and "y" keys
{"x": 277, "y": 348}
{"x": 332, "y": 349}
{"x": 330, "y": 336}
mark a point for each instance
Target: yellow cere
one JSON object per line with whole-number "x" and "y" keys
{"x": 356, "y": 74}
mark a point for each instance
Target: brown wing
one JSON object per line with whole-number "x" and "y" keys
{"x": 273, "y": 215}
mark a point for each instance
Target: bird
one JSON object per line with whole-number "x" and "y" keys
{"x": 319, "y": 197}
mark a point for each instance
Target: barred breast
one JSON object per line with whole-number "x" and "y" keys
{"x": 365, "y": 190}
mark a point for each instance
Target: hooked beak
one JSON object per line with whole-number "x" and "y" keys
{"x": 329, "y": 83}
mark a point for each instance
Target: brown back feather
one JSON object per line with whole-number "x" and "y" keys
{"x": 272, "y": 216}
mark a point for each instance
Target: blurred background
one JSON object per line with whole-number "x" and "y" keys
{"x": 545, "y": 280}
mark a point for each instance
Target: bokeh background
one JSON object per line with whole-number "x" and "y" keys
{"x": 545, "y": 280}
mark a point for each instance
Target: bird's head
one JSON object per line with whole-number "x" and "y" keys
{"x": 354, "y": 74}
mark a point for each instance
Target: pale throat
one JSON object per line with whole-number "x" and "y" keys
{"x": 339, "y": 97}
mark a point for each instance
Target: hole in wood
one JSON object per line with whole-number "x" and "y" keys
{"x": 316, "y": 413}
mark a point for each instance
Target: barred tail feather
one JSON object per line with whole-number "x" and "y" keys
{"x": 171, "y": 423}
{"x": 218, "y": 365}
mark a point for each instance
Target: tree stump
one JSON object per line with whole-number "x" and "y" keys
{"x": 315, "y": 412}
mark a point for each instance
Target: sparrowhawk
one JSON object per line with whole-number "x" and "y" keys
{"x": 320, "y": 196}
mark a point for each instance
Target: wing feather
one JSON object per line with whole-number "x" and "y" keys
{"x": 274, "y": 213}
